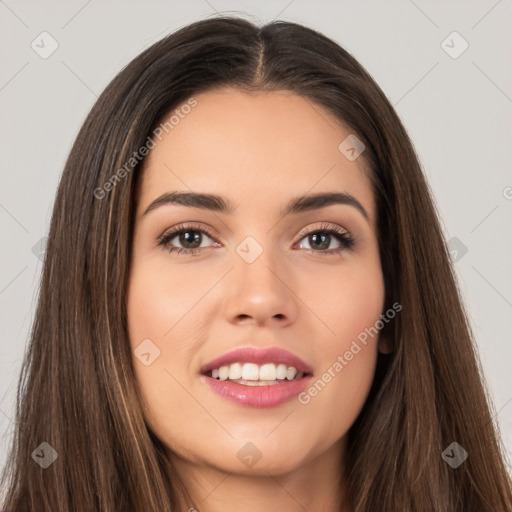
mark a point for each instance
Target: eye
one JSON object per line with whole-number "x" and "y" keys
{"x": 320, "y": 239}
{"x": 191, "y": 238}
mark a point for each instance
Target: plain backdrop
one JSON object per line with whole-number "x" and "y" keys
{"x": 452, "y": 91}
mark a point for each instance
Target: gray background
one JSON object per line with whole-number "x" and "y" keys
{"x": 457, "y": 111}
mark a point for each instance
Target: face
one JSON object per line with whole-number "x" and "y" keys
{"x": 308, "y": 282}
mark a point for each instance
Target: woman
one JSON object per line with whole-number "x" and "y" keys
{"x": 247, "y": 300}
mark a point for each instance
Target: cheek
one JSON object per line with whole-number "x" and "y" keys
{"x": 155, "y": 306}
{"x": 161, "y": 303}
{"x": 166, "y": 311}
{"x": 153, "y": 310}
{"x": 349, "y": 305}
{"x": 347, "y": 300}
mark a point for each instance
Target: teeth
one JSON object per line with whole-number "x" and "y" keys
{"x": 291, "y": 372}
{"x": 235, "y": 371}
{"x": 268, "y": 372}
{"x": 281, "y": 371}
{"x": 251, "y": 372}
{"x": 223, "y": 372}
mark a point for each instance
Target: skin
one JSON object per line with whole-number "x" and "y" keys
{"x": 258, "y": 150}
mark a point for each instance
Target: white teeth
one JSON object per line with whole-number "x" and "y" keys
{"x": 291, "y": 372}
{"x": 281, "y": 371}
{"x": 223, "y": 372}
{"x": 235, "y": 371}
{"x": 250, "y": 371}
{"x": 267, "y": 372}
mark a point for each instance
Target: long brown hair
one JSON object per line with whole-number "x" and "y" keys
{"x": 77, "y": 390}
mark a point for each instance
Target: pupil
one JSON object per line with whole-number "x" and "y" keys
{"x": 324, "y": 240}
{"x": 190, "y": 237}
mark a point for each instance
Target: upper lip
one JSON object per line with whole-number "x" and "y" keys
{"x": 259, "y": 356}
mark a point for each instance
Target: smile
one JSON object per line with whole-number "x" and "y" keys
{"x": 252, "y": 374}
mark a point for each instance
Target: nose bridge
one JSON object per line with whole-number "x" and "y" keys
{"x": 259, "y": 245}
{"x": 258, "y": 286}
{"x": 257, "y": 262}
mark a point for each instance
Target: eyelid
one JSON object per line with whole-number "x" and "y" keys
{"x": 324, "y": 226}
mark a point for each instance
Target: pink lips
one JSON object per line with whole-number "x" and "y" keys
{"x": 258, "y": 396}
{"x": 258, "y": 356}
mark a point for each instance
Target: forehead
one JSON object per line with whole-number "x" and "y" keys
{"x": 257, "y": 149}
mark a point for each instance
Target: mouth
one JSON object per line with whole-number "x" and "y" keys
{"x": 252, "y": 374}
{"x": 257, "y": 377}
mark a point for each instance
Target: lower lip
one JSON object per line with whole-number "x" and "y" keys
{"x": 258, "y": 396}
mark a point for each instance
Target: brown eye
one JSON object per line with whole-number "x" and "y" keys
{"x": 188, "y": 239}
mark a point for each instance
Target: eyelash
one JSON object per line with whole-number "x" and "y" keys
{"x": 345, "y": 239}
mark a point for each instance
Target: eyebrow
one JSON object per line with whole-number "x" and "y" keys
{"x": 220, "y": 204}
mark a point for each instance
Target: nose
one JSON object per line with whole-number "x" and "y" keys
{"x": 261, "y": 293}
